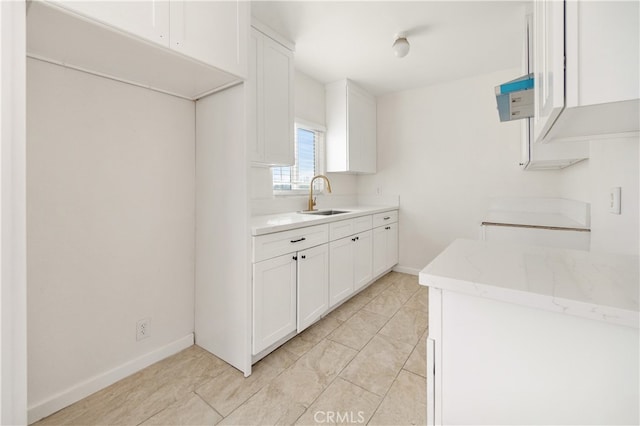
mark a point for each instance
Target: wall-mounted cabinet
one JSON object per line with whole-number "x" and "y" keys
{"x": 214, "y": 32}
{"x": 351, "y": 128}
{"x": 270, "y": 100}
{"x": 586, "y": 67}
{"x": 539, "y": 156}
{"x": 187, "y": 49}
{"x": 146, "y": 19}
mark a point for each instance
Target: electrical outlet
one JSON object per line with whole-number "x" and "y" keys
{"x": 142, "y": 329}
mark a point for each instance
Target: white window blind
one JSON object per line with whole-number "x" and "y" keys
{"x": 297, "y": 177}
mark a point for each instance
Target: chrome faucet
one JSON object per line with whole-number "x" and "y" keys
{"x": 312, "y": 200}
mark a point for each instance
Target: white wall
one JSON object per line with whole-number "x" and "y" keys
{"x": 444, "y": 151}
{"x": 612, "y": 162}
{"x": 110, "y": 230}
{"x": 309, "y": 106}
{"x": 13, "y": 284}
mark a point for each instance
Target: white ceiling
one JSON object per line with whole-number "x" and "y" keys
{"x": 449, "y": 39}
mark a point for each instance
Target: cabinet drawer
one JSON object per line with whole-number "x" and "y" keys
{"x": 278, "y": 243}
{"x": 341, "y": 229}
{"x": 363, "y": 223}
{"x": 380, "y": 219}
{"x": 344, "y": 228}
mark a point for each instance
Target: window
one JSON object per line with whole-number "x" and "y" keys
{"x": 296, "y": 178}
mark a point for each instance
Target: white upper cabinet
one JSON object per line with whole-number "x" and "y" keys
{"x": 544, "y": 156}
{"x": 548, "y": 64}
{"x": 214, "y": 32}
{"x": 146, "y": 19}
{"x": 586, "y": 66}
{"x": 351, "y": 128}
{"x": 270, "y": 91}
{"x": 188, "y": 49}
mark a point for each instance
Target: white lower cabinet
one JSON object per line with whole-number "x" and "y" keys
{"x": 290, "y": 292}
{"x": 274, "y": 300}
{"x": 351, "y": 260}
{"x": 543, "y": 367}
{"x": 341, "y": 271}
{"x": 300, "y": 274}
{"x": 313, "y": 285}
{"x": 385, "y": 248}
{"x": 363, "y": 260}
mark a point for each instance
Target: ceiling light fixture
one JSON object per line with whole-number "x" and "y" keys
{"x": 401, "y": 45}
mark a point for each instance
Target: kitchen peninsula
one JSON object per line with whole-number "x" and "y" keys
{"x": 526, "y": 334}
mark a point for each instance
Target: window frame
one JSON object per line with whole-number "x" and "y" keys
{"x": 320, "y": 167}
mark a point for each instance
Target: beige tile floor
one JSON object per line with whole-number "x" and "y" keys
{"x": 362, "y": 364}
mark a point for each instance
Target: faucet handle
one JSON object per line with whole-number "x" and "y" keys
{"x": 314, "y": 200}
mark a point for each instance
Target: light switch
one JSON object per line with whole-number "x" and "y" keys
{"x": 614, "y": 200}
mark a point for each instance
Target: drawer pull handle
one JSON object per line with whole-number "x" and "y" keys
{"x": 387, "y": 217}
{"x": 298, "y": 240}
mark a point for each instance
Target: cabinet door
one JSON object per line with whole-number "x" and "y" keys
{"x": 214, "y": 32}
{"x": 313, "y": 285}
{"x": 361, "y": 131}
{"x": 363, "y": 260}
{"x": 341, "y": 270}
{"x": 379, "y": 235}
{"x": 255, "y": 147}
{"x": 146, "y": 19}
{"x": 274, "y": 300}
{"x": 275, "y": 103}
{"x": 431, "y": 388}
{"x": 385, "y": 248}
{"x": 391, "y": 245}
{"x": 351, "y": 128}
{"x": 603, "y": 52}
{"x": 548, "y": 64}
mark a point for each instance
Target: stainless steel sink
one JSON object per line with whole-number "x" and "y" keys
{"x": 324, "y": 212}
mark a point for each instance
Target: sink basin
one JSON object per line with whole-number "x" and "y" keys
{"x": 324, "y": 212}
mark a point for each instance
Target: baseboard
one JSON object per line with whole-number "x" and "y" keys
{"x": 101, "y": 381}
{"x": 406, "y": 270}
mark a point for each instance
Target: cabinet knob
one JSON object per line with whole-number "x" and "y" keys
{"x": 295, "y": 257}
{"x": 303, "y": 256}
{"x": 387, "y": 227}
{"x": 353, "y": 239}
{"x": 521, "y": 164}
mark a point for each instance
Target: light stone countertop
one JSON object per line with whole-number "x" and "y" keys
{"x": 267, "y": 224}
{"x": 599, "y": 286}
